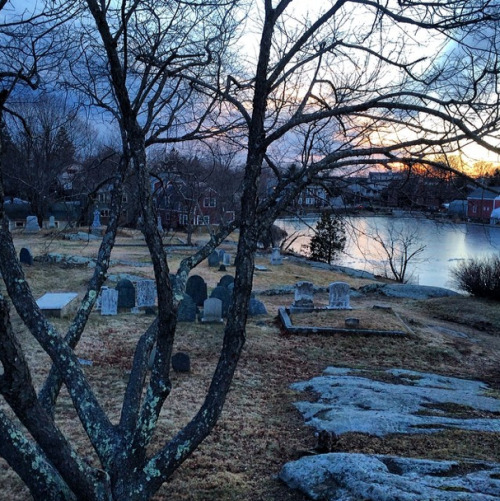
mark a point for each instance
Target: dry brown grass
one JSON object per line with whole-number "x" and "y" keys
{"x": 260, "y": 429}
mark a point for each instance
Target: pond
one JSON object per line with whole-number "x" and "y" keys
{"x": 443, "y": 244}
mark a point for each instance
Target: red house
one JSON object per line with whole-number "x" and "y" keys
{"x": 481, "y": 203}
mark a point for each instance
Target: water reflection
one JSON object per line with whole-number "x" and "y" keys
{"x": 445, "y": 244}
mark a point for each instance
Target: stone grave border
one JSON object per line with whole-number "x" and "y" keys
{"x": 286, "y": 322}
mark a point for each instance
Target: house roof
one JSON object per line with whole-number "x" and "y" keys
{"x": 482, "y": 194}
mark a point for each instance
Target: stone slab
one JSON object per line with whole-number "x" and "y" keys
{"x": 56, "y": 304}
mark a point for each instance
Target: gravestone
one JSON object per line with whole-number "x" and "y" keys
{"x": 126, "y": 293}
{"x": 256, "y": 307}
{"x": 276, "y": 258}
{"x": 222, "y": 268}
{"x": 224, "y": 295}
{"x": 197, "y": 289}
{"x": 109, "y": 302}
{"x": 52, "y": 222}
{"x": 96, "y": 223}
{"x": 221, "y": 255}
{"x": 98, "y": 302}
{"x": 225, "y": 281}
{"x": 25, "y": 256}
{"x": 213, "y": 259}
{"x": 32, "y": 225}
{"x": 303, "y": 300}
{"x": 181, "y": 362}
{"x": 212, "y": 310}
{"x": 187, "y": 310}
{"x": 57, "y": 304}
{"x": 226, "y": 259}
{"x": 339, "y": 296}
{"x": 146, "y": 293}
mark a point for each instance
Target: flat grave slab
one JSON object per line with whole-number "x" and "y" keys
{"x": 56, "y": 304}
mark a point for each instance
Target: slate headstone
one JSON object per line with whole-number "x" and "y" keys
{"x": 32, "y": 225}
{"x": 222, "y": 267}
{"x": 126, "y": 293}
{"x": 25, "y": 256}
{"x": 226, "y": 280}
{"x": 181, "y": 362}
{"x": 187, "y": 310}
{"x": 256, "y": 307}
{"x": 339, "y": 296}
{"x": 303, "y": 300}
{"x": 213, "y": 259}
{"x": 197, "y": 289}
{"x": 276, "y": 258}
{"x": 221, "y": 255}
{"x": 109, "y": 302}
{"x": 224, "y": 295}
{"x": 146, "y": 293}
{"x": 212, "y": 310}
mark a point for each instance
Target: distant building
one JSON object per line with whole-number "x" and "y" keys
{"x": 481, "y": 203}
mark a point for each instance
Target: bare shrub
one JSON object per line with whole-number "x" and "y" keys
{"x": 479, "y": 277}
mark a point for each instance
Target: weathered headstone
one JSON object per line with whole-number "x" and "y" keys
{"x": 109, "y": 302}
{"x": 56, "y": 304}
{"x": 303, "y": 300}
{"x": 225, "y": 281}
{"x": 25, "y": 256}
{"x": 339, "y": 296}
{"x": 181, "y": 362}
{"x": 146, "y": 293}
{"x": 32, "y": 225}
{"x": 224, "y": 295}
{"x": 98, "y": 302}
{"x": 197, "y": 289}
{"x": 213, "y": 259}
{"x": 52, "y": 222}
{"x": 212, "y": 310}
{"x": 222, "y": 267}
{"x": 221, "y": 255}
{"x": 226, "y": 259}
{"x": 96, "y": 223}
{"x": 187, "y": 310}
{"x": 276, "y": 257}
{"x": 126, "y": 293}
{"x": 256, "y": 307}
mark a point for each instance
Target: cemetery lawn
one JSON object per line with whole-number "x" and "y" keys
{"x": 260, "y": 429}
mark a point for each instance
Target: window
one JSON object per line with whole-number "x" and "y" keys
{"x": 309, "y": 201}
{"x": 105, "y": 212}
{"x": 474, "y": 209}
{"x": 183, "y": 218}
{"x": 209, "y": 202}
{"x": 202, "y": 220}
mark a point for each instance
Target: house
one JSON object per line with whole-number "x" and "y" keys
{"x": 181, "y": 203}
{"x": 482, "y": 202}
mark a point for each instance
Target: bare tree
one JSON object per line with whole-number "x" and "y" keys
{"x": 344, "y": 77}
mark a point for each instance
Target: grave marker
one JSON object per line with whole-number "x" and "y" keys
{"x": 224, "y": 295}
{"x": 196, "y": 287}
{"x": 187, "y": 310}
{"x": 303, "y": 300}
{"x": 213, "y": 259}
{"x": 225, "y": 281}
{"x": 146, "y": 293}
{"x": 126, "y": 293}
{"x": 181, "y": 362}
{"x": 339, "y": 296}
{"x": 109, "y": 302}
{"x": 276, "y": 258}
{"x": 56, "y": 304}
{"x": 32, "y": 225}
{"x": 212, "y": 310}
{"x": 25, "y": 256}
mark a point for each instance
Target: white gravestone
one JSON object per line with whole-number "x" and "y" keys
{"x": 276, "y": 258}
{"x": 339, "y": 296}
{"x": 52, "y": 222}
{"x": 212, "y": 311}
{"x": 226, "y": 259}
{"x": 145, "y": 293}
{"x": 98, "y": 302}
{"x": 32, "y": 225}
{"x": 109, "y": 302}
